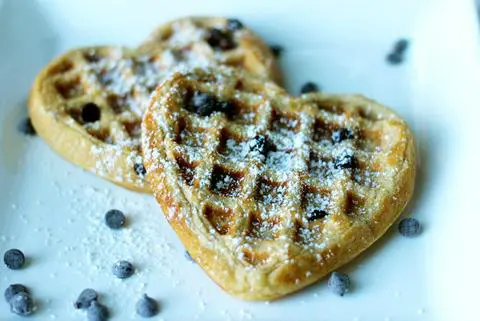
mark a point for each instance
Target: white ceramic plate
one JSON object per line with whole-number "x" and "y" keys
{"x": 54, "y": 211}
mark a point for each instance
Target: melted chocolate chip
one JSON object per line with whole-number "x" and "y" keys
{"x": 262, "y": 145}
{"x": 316, "y": 215}
{"x": 234, "y": 24}
{"x": 205, "y": 104}
{"x": 341, "y": 135}
{"x": 140, "y": 169}
{"x": 226, "y": 107}
{"x": 90, "y": 113}
{"x": 220, "y": 39}
{"x": 345, "y": 161}
{"x": 202, "y": 103}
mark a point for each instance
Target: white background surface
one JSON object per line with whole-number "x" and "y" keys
{"x": 54, "y": 211}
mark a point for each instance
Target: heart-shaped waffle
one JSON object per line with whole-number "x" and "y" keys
{"x": 270, "y": 192}
{"x": 88, "y": 103}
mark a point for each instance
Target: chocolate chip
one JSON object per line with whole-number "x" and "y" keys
{"x": 409, "y": 227}
{"x": 14, "y": 259}
{"x": 115, "y": 219}
{"x": 202, "y": 103}
{"x": 22, "y": 304}
{"x": 147, "y": 307}
{"x": 345, "y": 161}
{"x": 85, "y": 299}
{"x": 339, "y": 283}
{"x": 139, "y": 168}
{"x": 26, "y": 127}
{"x": 341, "y": 135}
{"x": 97, "y": 312}
{"x": 395, "y": 58}
{"x": 123, "y": 269}
{"x": 309, "y": 87}
{"x": 90, "y": 113}
{"x": 400, "y": 46}
{"x": 205, "y": 104}
{"x": 277, "y": 50}
{"x": 316, "y": 214}
{"x": 397, "y": 55}
{"x": 234, "y": 24}
{"x": 226, "y": 107}
{"x": 14, "y": 289}
{"x": 220, "y": 39}
{"x": 262, "y": 145}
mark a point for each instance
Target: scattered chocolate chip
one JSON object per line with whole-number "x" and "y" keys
{"x": 115, "y": 219}
{"x": 400, "y": 46}
{"x": 220, "y": 39}
{"x": 139, "y": 169}
{"x": 14, "y": 289}
{"x": 90, "y": 113}
{"x": 14, "y": 259}
{"x": 316, "y": 214}
{"x": 85, "y": 299}
{"x": 309, "y": 87}
{"x": 234, "y": 24}
{"x": 409, "y": 227}
{"x": 22, "y": 304}
{"x": 277, "y": 50}
{"x": 147, "y": 307}
{"x": 123, "y": 269}
{"x": 345, "y": 161}
{"x": 26, "y": 127}
{"x": 397, "y": 55}
{"x": 395, "y": 58}
{"x": 339, "y": 283}
{"x": 97, "y": 312}
{"x": 341, "y": 135}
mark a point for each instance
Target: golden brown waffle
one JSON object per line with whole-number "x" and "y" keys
{"x": 225, "y": 41}
{"x": 269, "y": 192}
{"x": 88, "y": 103}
